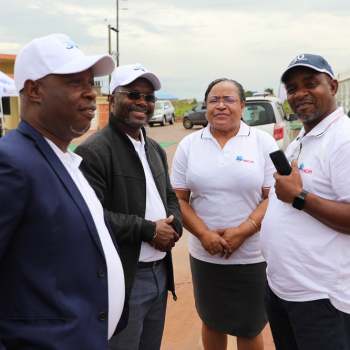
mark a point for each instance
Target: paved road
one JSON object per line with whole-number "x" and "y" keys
{"x": 182, "y": 324}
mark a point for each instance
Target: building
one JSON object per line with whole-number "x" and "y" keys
{"x": 343, "y": 94}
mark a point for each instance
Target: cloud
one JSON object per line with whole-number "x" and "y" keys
{"x": 188, "y": 44}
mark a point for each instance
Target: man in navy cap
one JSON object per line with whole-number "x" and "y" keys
{"x": 305, "y": 234}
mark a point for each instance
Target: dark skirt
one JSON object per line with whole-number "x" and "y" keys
{"x": 229, "y": 298}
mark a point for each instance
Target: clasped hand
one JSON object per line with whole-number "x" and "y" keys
{"x": 166, "y": 235}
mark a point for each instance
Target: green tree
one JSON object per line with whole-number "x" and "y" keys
{"x": 269, "y": 90}
{"x": 248, "y": 93}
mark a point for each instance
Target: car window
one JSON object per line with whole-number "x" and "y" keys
{"x": 199, "y": 107}
{"x": 159, "y": 105}
{"x": 258, "y": 113}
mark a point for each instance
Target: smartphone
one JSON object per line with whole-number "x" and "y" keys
{"x": 280, "y": 162}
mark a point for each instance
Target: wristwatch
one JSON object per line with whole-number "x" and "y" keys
{"x": 299, "y": 201}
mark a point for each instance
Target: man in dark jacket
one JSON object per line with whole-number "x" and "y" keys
{"x": 129, "y": 174}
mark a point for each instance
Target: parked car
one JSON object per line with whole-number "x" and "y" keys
{"x": 265, "y": 113}
{"x": 163, "y": 112}
{"x": 195, "y": 116}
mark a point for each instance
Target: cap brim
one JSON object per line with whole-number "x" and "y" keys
{"x": 305, "y": 65}
{"x": 101, "y": 65}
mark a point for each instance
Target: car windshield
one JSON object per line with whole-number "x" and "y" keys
{"x": 258, "y": 113}
{"x": 159, "y": 105}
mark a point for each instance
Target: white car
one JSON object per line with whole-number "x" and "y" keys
{"x": 163, "y": 112}
{"x": 267, "y": 114}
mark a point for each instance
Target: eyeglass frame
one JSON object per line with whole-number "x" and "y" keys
{"x": 140, "y": 95}
{"x": 222, "y": 100}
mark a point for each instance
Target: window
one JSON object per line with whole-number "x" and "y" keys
{"x": 199, "y": 107}
{"x": 258, "y": 114}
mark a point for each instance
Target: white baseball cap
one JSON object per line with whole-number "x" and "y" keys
{"x": 125, "y": 75}
{"x": 56, "y": 54}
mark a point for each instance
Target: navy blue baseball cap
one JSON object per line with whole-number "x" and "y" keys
{"x": 315, "y": 62}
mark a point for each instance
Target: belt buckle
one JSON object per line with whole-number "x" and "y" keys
{"x": 154, "y": 265}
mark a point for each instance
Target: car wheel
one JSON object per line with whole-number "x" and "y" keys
{"x": 150, "y": 124}
{"x": 163, "y": 121}
{"x": 187, "y": 124}
{"x": 172, "y": 119}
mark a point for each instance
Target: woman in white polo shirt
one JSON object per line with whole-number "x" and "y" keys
{"x": 222, "y": 175}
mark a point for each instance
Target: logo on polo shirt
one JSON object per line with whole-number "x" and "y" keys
{"x": 241, "y": 159}
{"x": 303, "y": 170}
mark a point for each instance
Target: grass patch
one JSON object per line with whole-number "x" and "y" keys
{"x": 181, "y": 107}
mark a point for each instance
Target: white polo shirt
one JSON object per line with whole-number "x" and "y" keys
{"x": 115, "y": 275}
{"x": 306, "y": 259}
{"x": 226, "y": 184}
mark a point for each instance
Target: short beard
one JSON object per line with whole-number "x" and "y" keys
{"x": 308, "y": 119}
{"x": 134, "y": 124}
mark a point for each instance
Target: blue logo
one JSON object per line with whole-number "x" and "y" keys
{"x": 69, "y": 44}
{"x": 239, "y": 159}
{"x": 4, "y": 81}
{"x": 301, "y": 167}
{"x": 139, "y": 67}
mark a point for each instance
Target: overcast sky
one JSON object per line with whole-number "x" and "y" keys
{"x": 189, "y": 43}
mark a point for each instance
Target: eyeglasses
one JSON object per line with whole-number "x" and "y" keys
{"x": 226, "y": 100}
{"x": 136, "y": 96}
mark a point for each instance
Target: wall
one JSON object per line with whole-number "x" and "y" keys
{"x": 343, "y": 94}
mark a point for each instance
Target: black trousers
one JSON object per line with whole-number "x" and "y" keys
{"x": 309, "y": 325}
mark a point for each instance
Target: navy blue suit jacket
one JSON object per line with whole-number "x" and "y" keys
{"x": 51, "y": 292}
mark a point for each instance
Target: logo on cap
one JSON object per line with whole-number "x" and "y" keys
{"x": 139, "y": 67}
{"x": 69, "y": 44}
{"x": 299, "y": 58}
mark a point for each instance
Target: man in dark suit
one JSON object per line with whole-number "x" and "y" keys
{"x": 55, "y": 244}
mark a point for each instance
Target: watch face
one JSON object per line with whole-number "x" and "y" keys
{"x": 298, "y": 203}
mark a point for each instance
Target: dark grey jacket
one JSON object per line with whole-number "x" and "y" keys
{"x": 114, "y": 170}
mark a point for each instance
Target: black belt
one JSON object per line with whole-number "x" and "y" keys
{"x": 148, "y": 264}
